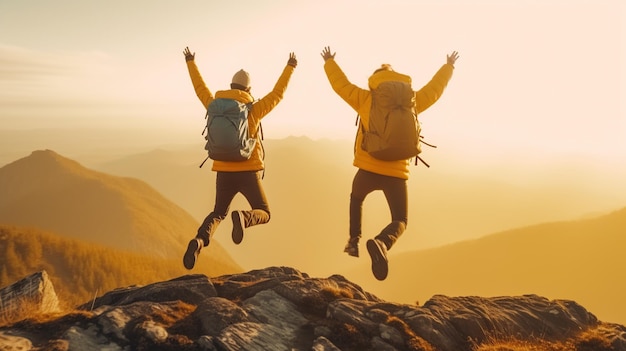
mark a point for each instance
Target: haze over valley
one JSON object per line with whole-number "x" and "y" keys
{"x": 449, "y": 246}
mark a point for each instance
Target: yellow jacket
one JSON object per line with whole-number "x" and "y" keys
{"x": 259, "y": 109}
{"x": 361, "y": 100}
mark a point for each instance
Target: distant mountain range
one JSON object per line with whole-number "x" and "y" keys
{"x": 48, "y": 191}
{"x": 308, "y": 183}
{"x": 308, "y": 186}
{"x": 580, "y": 260}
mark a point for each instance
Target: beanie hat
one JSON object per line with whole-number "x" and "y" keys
{"x": 242, "y": 78}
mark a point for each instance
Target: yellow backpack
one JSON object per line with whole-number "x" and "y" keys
{"x": 393, "y": 130}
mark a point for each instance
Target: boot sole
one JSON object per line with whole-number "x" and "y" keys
{"x": 238, "y": 227}
{"x": 380, "y": 266}
{"x": 189, "y": 260}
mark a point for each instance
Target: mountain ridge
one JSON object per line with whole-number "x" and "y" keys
{"x": 55, "y": 193}
{"x": 567, "y": 259}
{"x": 485, "y": 200}
{"x": 427, "y": 279}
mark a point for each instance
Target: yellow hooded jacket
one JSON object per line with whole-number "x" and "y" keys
{"x": 361, "y": 100}
{"x": 259, "y": 110}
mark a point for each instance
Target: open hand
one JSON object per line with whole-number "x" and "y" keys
{"x": 451, "y": 59}
{"x": 188, "y": 55}
{"x": 326, "y": 54}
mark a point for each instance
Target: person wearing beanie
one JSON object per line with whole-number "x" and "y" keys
{"x": 236, "y": 177}
{"x": 242, "y": 80}
{"x": 374, "y": 174}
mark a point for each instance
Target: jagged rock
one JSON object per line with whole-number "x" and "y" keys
{"x": 10, "y": 342}
{"x": 217, "y": 313}
{"x": 33, "y": 294}
{"x": 88, "y": 339}
{"x": 280, "y": 308}
{"x": 323, "y": 344}
{"x": 192, "y": 289}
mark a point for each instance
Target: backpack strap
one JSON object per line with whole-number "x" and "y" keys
{"x": 358, "y": 123}
{"x": 202, "y": 164}
{"x": 425, "y": 143}
{"x": 206, "y": 128}
{"x": 418, "y": 158}
{"x": 259, "y": 135}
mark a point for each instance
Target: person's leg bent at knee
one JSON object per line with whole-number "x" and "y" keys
{"x": 225, "y": 190}
{"x": 252, "y": 190}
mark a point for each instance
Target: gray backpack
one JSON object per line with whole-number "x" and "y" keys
{"x": 227, "y": 133}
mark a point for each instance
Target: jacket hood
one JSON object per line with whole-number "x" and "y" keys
{"x": 234, "y": 94}
{"x": 385, "y": 76}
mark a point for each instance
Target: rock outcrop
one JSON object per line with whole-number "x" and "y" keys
{"x": 281, "y": 308}
{"x": 32, "y": 295}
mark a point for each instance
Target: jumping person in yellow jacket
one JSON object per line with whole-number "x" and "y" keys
{"x": 374, "y": 174}
{"x": 241, "y": 176}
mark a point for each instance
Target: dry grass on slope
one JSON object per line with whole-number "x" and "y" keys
{"x": 597, "y": 339}
{"x": 80, "y": 270}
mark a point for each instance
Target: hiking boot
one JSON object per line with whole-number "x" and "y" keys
{"x": 193, "y": 250}
{"x": 238, "y": 226}
{"x": 378, "y": 253}
{"x": 352, "y": 248}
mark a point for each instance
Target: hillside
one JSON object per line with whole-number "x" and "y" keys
{"x": 79, "y": 270}
{"x": 578, "y": 260}
{"x": 49, "y": 191}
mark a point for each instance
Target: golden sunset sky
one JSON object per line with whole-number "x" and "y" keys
{"x": 534, "y": 77}
{"x": 531, "y": 128}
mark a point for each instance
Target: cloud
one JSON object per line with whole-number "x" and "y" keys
{"x": 44, "y": 87}
{"x": 20, "y": 64}
{"x": 33, "y": 76}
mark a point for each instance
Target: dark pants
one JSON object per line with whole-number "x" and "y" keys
{"x": 229, "y": 184}
{"x": 395, "y": 190}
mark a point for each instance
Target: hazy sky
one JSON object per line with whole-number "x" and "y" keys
{"x": 533, "y": 76}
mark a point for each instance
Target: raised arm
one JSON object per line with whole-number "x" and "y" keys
{"x": 269, "y": 101}
{"x": 350, "y": 93}
{"x": 202, "y": 91}
{"x": 431, "y": 92}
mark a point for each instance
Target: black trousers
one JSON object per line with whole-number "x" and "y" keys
{"x": 227, "y": 185}
{"x": 395, "y": 190}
